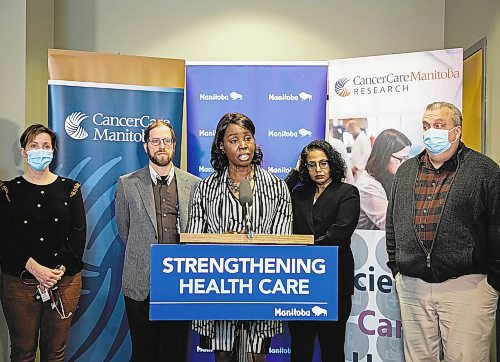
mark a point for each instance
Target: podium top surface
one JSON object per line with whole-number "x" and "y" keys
{"x": 188, "y": 238}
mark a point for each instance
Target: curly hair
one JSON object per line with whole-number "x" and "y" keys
{"x": 337, "y": 164}
{"x": 218, "y": 159}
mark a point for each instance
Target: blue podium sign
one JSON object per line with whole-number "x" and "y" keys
{"x": 243, "y": 282}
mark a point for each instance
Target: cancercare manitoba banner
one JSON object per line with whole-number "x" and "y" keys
{"x": 99, "y": 107}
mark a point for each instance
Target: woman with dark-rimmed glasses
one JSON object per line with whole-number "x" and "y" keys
{"x": 390, "y": 149}
{"x": 327, "y": 208}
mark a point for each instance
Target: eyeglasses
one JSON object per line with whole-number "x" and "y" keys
{"x": 323, "y": 164}
{"x": 400, "y": 159}
{"x": 167, "y": 141}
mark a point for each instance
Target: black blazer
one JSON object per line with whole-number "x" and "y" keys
{"x": 332, "y": 220}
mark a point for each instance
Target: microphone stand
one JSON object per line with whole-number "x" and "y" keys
{"x": 244, "y": 326}
{"x": 243, "y": 336}
{"x": 248, "y": 221}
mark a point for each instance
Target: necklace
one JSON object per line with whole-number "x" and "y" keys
{"x": 233, "y": 186}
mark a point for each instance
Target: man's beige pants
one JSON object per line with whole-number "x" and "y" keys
{"x": 454, "y": 318}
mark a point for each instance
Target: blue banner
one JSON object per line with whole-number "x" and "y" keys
{"x": 226, "y": 282}
{"x": 100, "y": 131}
{"x": 287, "y": 104}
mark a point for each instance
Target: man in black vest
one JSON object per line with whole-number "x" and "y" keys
{"x": 151, "y": 207}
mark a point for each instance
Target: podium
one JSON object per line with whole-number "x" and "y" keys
{"x": 266, "y": 239}
{"x": 244, "y": 239}
{"x": 234, "y": 277}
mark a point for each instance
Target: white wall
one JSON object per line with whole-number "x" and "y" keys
{"x": 466, "y": 22}
{"x": 26, "y": 28}
{"x": 250, "y": 30}
{"x": 39, "y": 37}
{"x": 12, "y": 86}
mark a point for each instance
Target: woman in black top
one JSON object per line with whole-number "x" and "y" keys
{"x": 327, "y": 208}
{"x": 43, "y": 225}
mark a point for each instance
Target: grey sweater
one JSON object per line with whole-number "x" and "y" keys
{"x": 467, "y": 239}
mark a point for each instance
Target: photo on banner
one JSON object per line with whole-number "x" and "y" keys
{"x": 375, "y": 112}
{"x": 99, "y": 107}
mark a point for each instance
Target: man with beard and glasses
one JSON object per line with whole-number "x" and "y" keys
{"x": 151, "y": 207}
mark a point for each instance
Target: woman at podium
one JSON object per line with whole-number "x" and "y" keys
{"x": 216, "y": 209}
{"x": 327, "y": 208}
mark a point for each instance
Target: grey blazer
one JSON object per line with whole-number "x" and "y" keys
{"x": 136, "y": 220}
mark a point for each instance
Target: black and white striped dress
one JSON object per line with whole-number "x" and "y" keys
{"x": 215, "y": 210}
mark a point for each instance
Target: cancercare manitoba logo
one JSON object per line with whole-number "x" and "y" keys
{"x": 340, "y": 87}
{"x": 72, "y": 125}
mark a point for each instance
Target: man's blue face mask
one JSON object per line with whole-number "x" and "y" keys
{"x": 436, "y": 140}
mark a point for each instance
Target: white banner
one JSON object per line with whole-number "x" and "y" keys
{"x": 367, "y": 96}
{"x": 374, "y": 328}
{"x": 394, "y": 84}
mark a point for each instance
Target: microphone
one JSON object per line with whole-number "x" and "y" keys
{"x": 246, "y": 200}
{"x": 245, "y": 193}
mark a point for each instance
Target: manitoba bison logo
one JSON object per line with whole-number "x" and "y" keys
{"x": 72, "y": 125}
{"x": 340, "y": 88}
{"x": 318, "y": 311}
{"x": 236, "y": 96}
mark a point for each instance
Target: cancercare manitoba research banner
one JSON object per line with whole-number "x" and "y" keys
{"x": 378, "y": 93}
{"x": 99, "y": 107}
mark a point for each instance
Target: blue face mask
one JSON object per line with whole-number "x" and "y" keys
{"x": 436, "y": 140}
{"x": 39, "y": 159}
